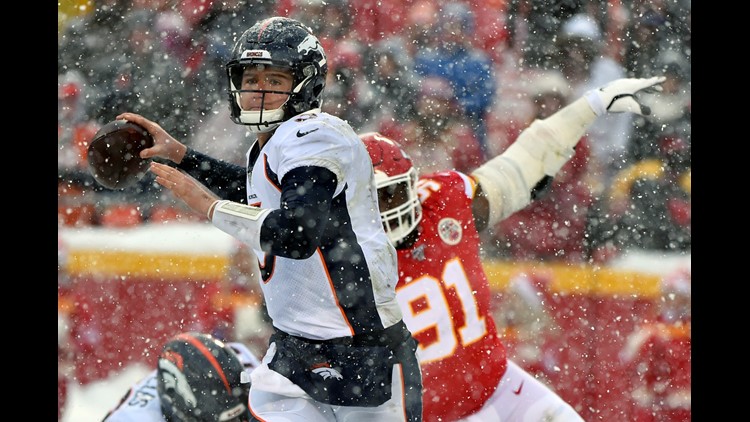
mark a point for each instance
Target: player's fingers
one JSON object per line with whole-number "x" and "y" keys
{"x": 169, "y": 176}
{"x": 164, "y": 182}
{"x": 652, "y": 83}
{"x": 658, "y": 79}
{"x": 160, "y": 170}
{"x": 154, "y": 151}
{"x": 136, "y": 118}
{"x": 152, "y": 127}
{"x": 172, "y": 185}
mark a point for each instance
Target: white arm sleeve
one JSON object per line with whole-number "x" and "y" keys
{"x": 541, "y": 149}
{"x": 241, "y": 221}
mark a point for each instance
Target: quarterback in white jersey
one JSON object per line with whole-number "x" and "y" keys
{"x": 347, "y": 296}
{"x": 307, "y": 204}
{"x": 153, "y": 400}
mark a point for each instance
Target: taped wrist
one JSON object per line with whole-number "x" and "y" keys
{"x": 241, "y": 221}
{"x": 554, "y": 138}
{"x": 507, "y": 180}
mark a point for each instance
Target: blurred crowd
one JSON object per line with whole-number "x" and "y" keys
{"x": 455, "y": 81}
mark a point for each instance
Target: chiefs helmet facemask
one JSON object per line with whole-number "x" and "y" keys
{"x": 396, "y": 180}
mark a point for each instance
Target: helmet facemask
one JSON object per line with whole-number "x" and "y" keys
{"x": 258, "y": 121}
{"x": 401, "y": 210}
{"x": 282, "y": 43}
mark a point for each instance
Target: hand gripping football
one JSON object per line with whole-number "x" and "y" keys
{"x": 113, "y": 154}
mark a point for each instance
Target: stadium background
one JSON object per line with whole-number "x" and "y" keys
{"x": 126, "y": 289}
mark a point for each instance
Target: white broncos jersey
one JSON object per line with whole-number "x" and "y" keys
{"x": 327, "y": 295}
{"x": 142, "y": 403}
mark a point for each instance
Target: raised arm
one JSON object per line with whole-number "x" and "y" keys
{"x": 511, "y": 180}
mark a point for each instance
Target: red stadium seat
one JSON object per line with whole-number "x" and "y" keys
{"x": 165, "y": 214}
{"x": 121, "y": 215}
{"x": 76, "y": 216}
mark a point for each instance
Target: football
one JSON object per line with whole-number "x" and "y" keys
{"x": 113, "y": 154}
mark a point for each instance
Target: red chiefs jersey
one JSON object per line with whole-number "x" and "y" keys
{"x": 445, "y": 298}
